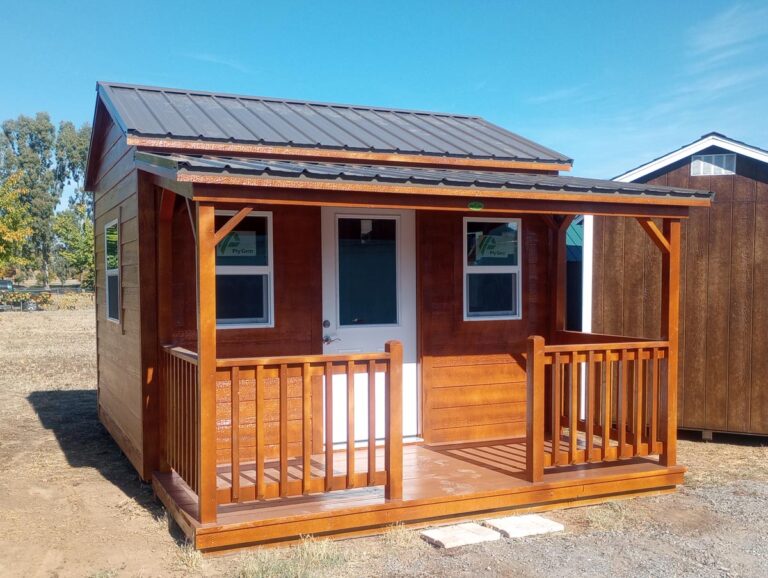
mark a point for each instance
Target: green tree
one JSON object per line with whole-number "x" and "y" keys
{"x": 47, "y": 161}
{"x": 15, "y": 224}
{"x": 73, "y": 230}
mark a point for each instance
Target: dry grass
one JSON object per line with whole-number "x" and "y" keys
{"x": 310, "y": 557}
{"x": 189, "y": 560}
{"x": 713, "y": 464}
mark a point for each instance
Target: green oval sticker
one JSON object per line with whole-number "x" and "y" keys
{"x": 476, "y": 206}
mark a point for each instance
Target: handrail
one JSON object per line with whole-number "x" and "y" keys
{"x": 570, "y": 348}
{"x": 181, "y": 353}
{"x": 296, "y": 359}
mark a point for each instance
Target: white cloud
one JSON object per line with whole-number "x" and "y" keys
{"x": 209, "y": 58}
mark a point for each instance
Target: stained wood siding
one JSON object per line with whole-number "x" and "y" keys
{"x": 473, "y": 372}
{"x": 119, "y": 343}
{"x": 724, "y": 295}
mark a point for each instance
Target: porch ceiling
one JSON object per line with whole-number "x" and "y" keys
{"x": 255, "y": 172}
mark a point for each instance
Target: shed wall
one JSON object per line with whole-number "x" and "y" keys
{"x": 724, "y": 295}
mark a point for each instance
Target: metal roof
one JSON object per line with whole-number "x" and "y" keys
{"x": 195, "y": 115}
{"x": 416, "y": 176}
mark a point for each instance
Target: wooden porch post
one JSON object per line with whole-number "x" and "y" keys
{"x": 206, "y": 353}
{"x": 393, "y": 408}
{"x": 670, "y": 322}
{"x": 164, "y": 322}
{"x": 534, "y": 448}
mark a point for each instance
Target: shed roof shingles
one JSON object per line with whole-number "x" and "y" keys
{"x": 173, "y": 113}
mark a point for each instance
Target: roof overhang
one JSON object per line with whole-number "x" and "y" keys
{"x": 707, "y": 141}
{"x": 272, "y": 181}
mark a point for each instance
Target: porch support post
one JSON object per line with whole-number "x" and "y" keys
{"x": 206, "y": 355}
{"x": 164, "y": 321}
{"x": 559, "y": 274}
{"x": 393, "y": 409}
{"x": 670, "y": 326}
{"x": 534, "y": 439}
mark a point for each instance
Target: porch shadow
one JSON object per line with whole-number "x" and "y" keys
{"x": 72, "y": 417}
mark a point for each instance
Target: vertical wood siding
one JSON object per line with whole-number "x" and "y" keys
{"x": 724, "y": 295}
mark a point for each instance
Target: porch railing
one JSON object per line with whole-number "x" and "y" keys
{"x": 597, "y": 402}
{"x": 275, "y": 424}
{"x": 181, "y": 400}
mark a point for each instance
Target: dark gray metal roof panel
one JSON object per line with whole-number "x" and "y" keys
{"x": 411, "y": 175}
{"x": 183, "y": 114}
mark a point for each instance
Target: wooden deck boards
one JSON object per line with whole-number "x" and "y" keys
{"x": 439, "y": 483}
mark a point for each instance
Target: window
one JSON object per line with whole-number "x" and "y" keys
{"x": 244, "y": 273}
{"x": 492, "y": 283}
{"x": 713, "y": 165}
{"x": 112, "y": 266}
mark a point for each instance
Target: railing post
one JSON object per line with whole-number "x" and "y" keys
{"x": 206, "y": 351}
{"x": 670, "y": 326}
{"x": 534, "y": 449}
{"x": 393, "y": 449}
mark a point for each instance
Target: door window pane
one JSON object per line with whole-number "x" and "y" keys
{"x": 492, "y": 294}
{"x": 367, "y": 271}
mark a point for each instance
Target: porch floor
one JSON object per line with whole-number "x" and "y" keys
{"x": 440, "y": 483}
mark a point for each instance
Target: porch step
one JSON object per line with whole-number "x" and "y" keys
{"x": 522, "y": 526}
{"x": 459, "y": 535}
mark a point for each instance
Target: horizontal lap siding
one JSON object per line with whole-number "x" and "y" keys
{"x": 119, "y": 344}
{"x": 723, "y": 378}
{"x": 473, "y": 373}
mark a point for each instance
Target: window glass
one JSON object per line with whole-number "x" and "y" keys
{"x": 112, "y": 247}
{"x": 367, "y": 271}
{"x": 246, "y": 245}
{"x": 491, "y": 244}
{"x": 713, "y": 165}
{"x": 492, "y": 294}
{"x": 113, "y": 293}
{"x": 242, "y": 298}
{"x": 112, "y": 264}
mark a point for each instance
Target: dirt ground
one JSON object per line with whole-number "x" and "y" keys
{"x": 71, "y": 504}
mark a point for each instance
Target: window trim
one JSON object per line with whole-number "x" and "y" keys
{"x": 112, "y": 272}
{"x": 268, "y": 270}
{"x": 711, "y": 157}
{"x": 479, "y": 269}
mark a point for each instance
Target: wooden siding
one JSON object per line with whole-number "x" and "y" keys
{"x": 473, "y": 373}
{"x": 115, "y": 185}
{"x": 298, "y": 289}
{"x": 724, "y": 310}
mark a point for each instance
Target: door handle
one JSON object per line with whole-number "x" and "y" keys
{"x": 327, "y": 339}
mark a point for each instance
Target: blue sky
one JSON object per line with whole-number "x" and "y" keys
{"x": 612, "y": 84}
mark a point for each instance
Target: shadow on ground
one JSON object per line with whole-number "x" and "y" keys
{"x": 72, "y": 417}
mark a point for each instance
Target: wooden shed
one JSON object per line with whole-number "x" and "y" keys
{"x": 324, "y": 319}
{"x": 723, "y": 372}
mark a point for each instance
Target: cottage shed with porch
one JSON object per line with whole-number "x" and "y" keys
{"x": 323, "y": 319}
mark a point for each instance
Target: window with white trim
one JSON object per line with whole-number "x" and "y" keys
{"x": 492, "y": 277}
{"x": 112, "y": 268}
{"x": 713, "y": 165}
{"x": 244, "y": 272}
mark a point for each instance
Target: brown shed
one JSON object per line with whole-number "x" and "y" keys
{"x": 724, "y": 294}
{"x": 323, "y": 319}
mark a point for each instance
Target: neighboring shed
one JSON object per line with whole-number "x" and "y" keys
{"x": 724, "y": 300}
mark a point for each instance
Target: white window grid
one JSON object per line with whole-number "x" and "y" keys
{"x": 713, "y": 165}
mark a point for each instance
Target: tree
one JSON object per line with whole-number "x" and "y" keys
{"x": 15, "y": 224}
{"x": 47, "y": 161}
{"x": 73, "y": 230}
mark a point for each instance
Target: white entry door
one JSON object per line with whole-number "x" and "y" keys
{"x": 369, "y": 298}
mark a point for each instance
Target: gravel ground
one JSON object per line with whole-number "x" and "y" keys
{"x": 71, "y": 505}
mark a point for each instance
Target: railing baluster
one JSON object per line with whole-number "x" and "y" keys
{"x": 350, "y": 424}
{"x": 306, "y": 438}
{"x": 607, "y": 404}
{"x": 328, "y": 426}
{"x": 283, "y": 430}
{"x": 556, "y": 408}
{"x": 260, "y": 433}
{"x": 235, "y": 431}
{"x": 371, "y": 422}
{"x": 654, "y": 405}
{"x": 573, "y": 383}
{"x": 590, "y": 400}
{"x": 622, "y": 401}
{"x": 638, "y": 401}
